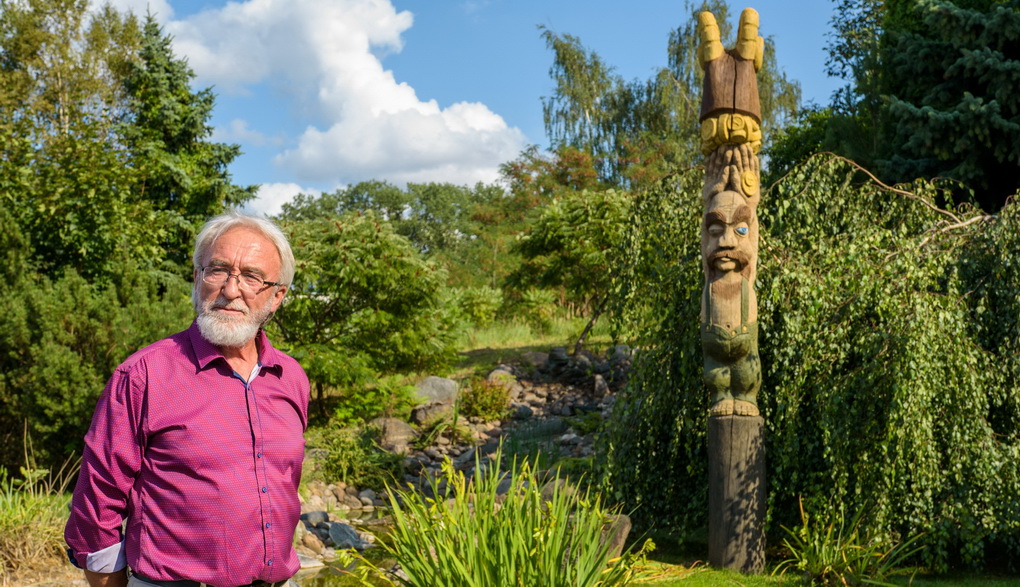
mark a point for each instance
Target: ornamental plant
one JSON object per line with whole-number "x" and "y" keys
{"x": 481, "y": 537}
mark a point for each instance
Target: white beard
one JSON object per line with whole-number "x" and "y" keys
{"x": 226, "y": 331}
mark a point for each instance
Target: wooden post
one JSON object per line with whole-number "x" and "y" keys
{"x": 731, "y": 139}
{"x": 736, "y": 493}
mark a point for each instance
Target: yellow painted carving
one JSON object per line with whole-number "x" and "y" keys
{"x": 730, "y": 129}
{"x": 711, "y": 43}
{"x": 749, "y": 44}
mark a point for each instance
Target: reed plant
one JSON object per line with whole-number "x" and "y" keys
{"x": 499, "y": 529}
{"x": 838, "y": 552}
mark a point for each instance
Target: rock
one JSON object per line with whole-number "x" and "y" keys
{"x": 309, "y": 561}
{"x": 438, "y": 390}
{"x": 601, "y": 388}
{"x": 345, "y": 536}
{"x": 312, "y": 543}
{"x": 505, "y": 378}
{"x": 313, "y": 519}
{"x": 535, "y": 359}
{"x": 422, "y": 415}
{"x": 395, "y": 434}
{"x": 368, "y": 497}
{"x": 616, "y": 531}
{"x": 521, "y": 412}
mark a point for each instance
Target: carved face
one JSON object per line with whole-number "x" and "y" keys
{"x": 729, "y": 235}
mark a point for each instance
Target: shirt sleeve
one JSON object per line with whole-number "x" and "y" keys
{"x": 110, "y": 464}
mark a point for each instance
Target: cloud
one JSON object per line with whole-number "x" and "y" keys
{"x": 324, "y": 59}
{"x": 239, "y": 131}
{"x": 271, "y": 197}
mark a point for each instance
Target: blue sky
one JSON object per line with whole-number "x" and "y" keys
{"x": 324, "y": 93}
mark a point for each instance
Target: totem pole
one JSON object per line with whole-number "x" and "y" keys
{"x": 731, "y": 138}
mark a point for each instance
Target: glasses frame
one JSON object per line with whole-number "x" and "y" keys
{"x": 241, "y": 285}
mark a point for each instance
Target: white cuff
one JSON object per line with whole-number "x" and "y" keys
{"x": 109, "y": 560}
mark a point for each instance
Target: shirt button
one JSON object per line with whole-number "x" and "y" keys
{"x": 269, "y": 562}
{"x": 265, "y": 490}
{"x": 268, "y": 524}
{"x": 259, "y": 454}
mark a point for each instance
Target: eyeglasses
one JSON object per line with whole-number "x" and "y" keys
{"x": 246, "y": 281}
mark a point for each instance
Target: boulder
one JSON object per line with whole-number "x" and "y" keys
{"x": 437, "y": 390}
{"x": 395, "y": 434}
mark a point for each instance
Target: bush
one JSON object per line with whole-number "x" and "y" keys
{"x": 480, "y": 304}
{"x": 520, "y": 538}
{"x": 889, "y": 359}
{"x": 838, "y": 553}
{"x": 488, "y": 400}
{"x": 353, "y": 456}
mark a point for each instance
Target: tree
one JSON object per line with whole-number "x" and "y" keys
{"x": 363, "y": 302}
{"x": 889, "y": 381}
{"x": 573, "y": 244}
{"x": 166, "y": 128}
{"x": 952, "y": 71}
{"x": 639, "y": 131}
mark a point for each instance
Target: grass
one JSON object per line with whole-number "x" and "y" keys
{"x": 33, "y": 511}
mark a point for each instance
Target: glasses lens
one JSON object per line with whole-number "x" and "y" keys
{"x": 220, "y": 275}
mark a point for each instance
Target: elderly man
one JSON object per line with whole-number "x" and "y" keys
{"x": 197, "y": 440}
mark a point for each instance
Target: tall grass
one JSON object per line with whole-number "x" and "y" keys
{"x": 483, "y": 537}
{"x": 33, "y": 509}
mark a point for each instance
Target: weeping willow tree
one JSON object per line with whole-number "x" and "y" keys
{"x": 890, "y": 344}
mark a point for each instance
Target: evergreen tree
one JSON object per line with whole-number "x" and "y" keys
{"x": 167, "y": 129}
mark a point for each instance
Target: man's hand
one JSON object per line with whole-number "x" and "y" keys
{"x": 115, "y": 579}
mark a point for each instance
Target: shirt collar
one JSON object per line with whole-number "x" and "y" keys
{"x": 206, "y": 352}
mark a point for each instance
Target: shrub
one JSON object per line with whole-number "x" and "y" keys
{"x": 353, "y": 456}
{"x": 482, "y": 538}
{"x": 889, "y": 356}
{"x": 838, "y": 553}
{"x": 480, "y": 304}
{"x": 484, "y": 399}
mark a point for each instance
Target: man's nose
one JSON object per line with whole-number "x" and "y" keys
{"x": 232, "y": 286}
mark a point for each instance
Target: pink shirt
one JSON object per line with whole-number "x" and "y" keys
{"x": 204, "y": 467}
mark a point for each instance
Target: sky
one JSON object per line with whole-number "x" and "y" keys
{"x": 322, "y": 94}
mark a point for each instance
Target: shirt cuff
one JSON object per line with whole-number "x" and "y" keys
{"x": 108, "y": 560}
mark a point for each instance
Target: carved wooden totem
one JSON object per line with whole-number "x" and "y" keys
{"x": 731, "y": 138}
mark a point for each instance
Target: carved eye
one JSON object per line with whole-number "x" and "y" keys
{"x": 716, "y": 229}
{"x": 741, "y": 230}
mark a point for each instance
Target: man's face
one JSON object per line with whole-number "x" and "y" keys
{"x": 229, "y": 316}
{"x": 729, "y": 238}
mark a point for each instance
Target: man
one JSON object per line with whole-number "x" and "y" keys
{"x": 197, "y": 440}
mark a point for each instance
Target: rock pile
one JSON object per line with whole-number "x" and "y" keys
{"x": 556, "y": 401}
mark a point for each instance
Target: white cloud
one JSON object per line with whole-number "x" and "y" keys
{"x": 323, "y": 58}
{"x": 271, "y": 197}
{"x": 239, "y": 131}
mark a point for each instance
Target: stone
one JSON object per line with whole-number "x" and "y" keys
{"x": 395, "y": 434}
{"x": 438, "y": 390}
{"x": 314, "y": 518}
{"x": 600, "y": 387}
{"x": 431, "y": 412}
{"x": 344, "y": 536}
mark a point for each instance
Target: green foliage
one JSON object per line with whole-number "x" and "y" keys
{"x": 60, "y": 339}
{"x": 483, "y": 538}
{"x": 586, "y": 424}
{"x": 388, "y": 396}
{"x": 167, "y": 129}
{"x": 838, "y": 553}
{"x": 353, "y": 456}
{"x": 484, "y": 399}
{"x": 363, "y": 301}
{"x": 537, "y": 307}
{"x": 636, "y": 132}
{"x": 480, "y": 304}
{"x": 462, "y": 229}
{"x": 888, "y": 378}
